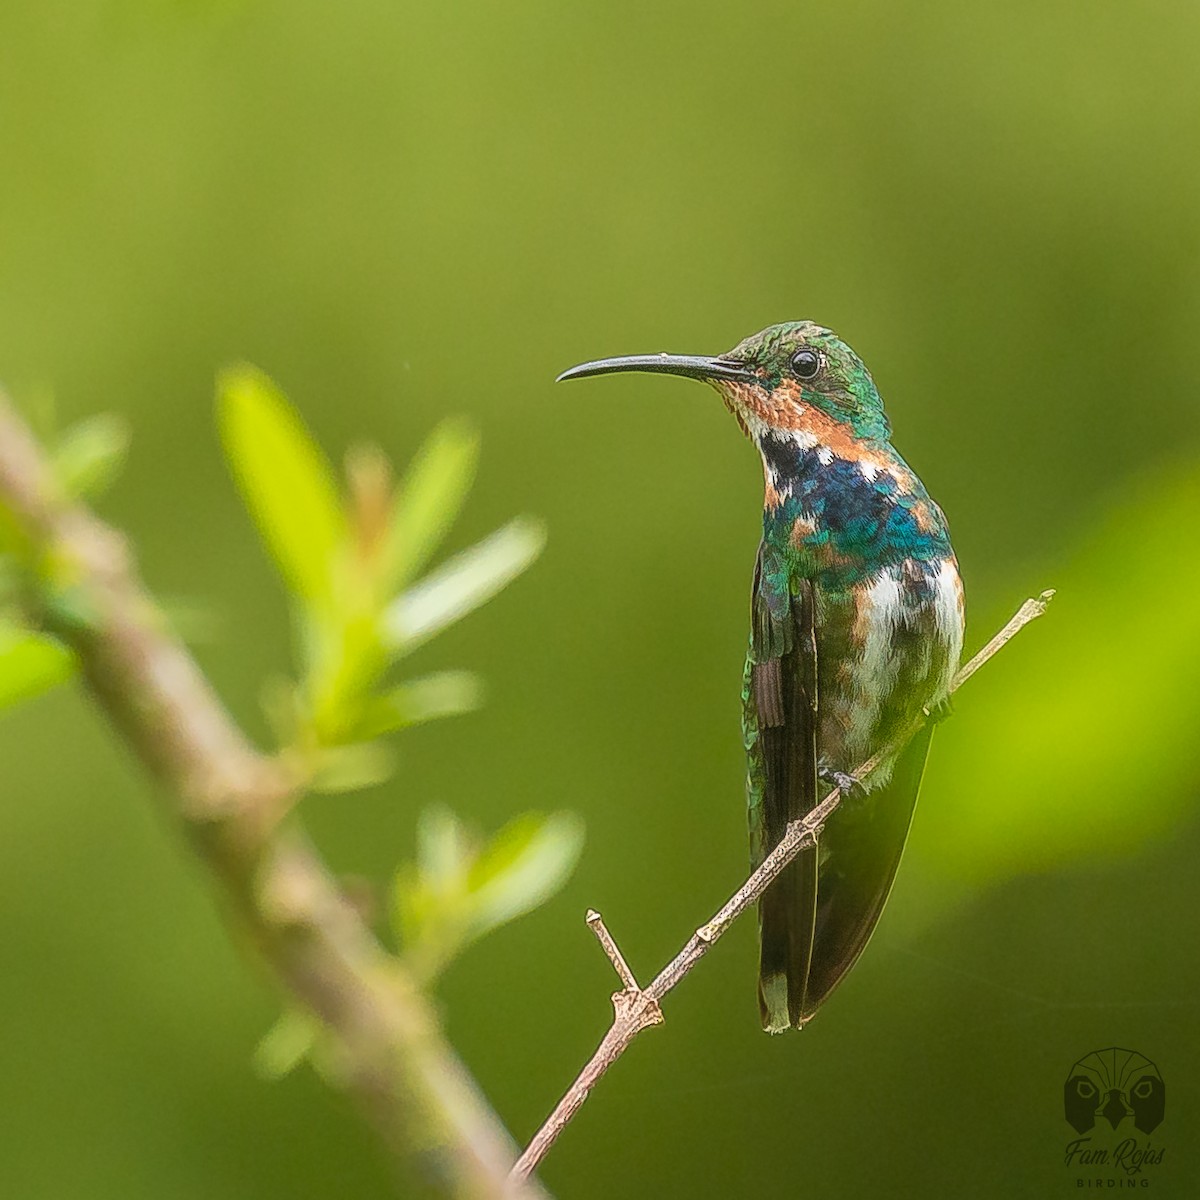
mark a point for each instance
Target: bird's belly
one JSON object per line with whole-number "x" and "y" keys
{"x": 886, "y": 648}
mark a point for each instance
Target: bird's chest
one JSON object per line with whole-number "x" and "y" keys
{"x": 886, "y": 648}
{"x": 840, "y": 521}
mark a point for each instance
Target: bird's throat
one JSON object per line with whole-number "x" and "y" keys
{"x": 843, "y": 512}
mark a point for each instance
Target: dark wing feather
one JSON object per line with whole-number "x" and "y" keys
{"x": 818, "y": 915}
{"x": 781, "y": 726}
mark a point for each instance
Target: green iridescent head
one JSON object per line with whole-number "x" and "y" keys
{"x": 794, "y": 376}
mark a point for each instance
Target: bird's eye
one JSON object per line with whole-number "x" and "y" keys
{"x": 1085, "y": 1089}
{"x": 806, "y": 364}
{"x": 1144, "y": 1088}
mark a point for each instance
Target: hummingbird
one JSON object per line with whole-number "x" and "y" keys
{"x": 856, "y": 630}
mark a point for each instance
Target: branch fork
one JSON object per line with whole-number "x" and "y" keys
{"x": 631, "y": 1005}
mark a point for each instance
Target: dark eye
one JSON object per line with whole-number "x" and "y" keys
{"x": 806, "y": 364}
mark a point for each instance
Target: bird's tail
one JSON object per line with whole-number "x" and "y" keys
{"x": 786, "y": 915}
{"x": 819, "y": 914}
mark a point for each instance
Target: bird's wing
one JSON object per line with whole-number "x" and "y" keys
{"x": 780, "y": 725}
{"x": 818, "y": 915}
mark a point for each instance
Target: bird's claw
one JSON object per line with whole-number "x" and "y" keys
{"x": 846, "y": 784}
{"x": 938, "y": 712}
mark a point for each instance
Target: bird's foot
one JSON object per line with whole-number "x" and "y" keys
{"x": 846, "y": 784}
{"x": 938, "y": 712}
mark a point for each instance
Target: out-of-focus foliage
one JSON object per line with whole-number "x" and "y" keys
{"x": 429, "y": 498}
{"x": 287, "y": 484}
{"x": 465, "y": 582}
{"x": 30, "y": 663}
{"x": 459, "y": 889}
{"x": 288, "y": 1043}
{"x": 416, "y": 701}
{"x": 86, "y": 459}
{"x": 407, "y": 211}
{"x": 345, "y": 562}
{"x": 90, "y": 455}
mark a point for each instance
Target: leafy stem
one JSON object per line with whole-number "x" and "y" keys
{"x": 376, "y": 1031}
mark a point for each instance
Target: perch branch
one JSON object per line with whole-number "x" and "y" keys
{"x": 637, "y": 1008}
{"x": 385, "y": 1046}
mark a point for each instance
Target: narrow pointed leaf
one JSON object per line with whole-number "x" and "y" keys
{"x": 457, "y": 892}
{"x": 286, "y": 1044}
{"x": 429, "y": 897}
{"x": 284, "y": 478}
{"x": 415, "y": 908}
{"x": 91, "y": 454}
{"x": 463, "y": 583}
{"x": 30, "y": 663}
{"x": 415, "y": 701}
{"x": 429, "y": 498}
{"x": 522, "y": 867}
{"x": 352, "y": 768}
{"x": 442, "y": 846}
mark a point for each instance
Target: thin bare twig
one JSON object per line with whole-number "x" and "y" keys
{"x": 609, "y": 946}
{"x": 385, "y": 1045}
{"x": 637, "y": 1008}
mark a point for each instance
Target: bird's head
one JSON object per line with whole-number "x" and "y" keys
{"x": 792, "y": 380}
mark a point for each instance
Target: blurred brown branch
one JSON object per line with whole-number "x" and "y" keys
{"x": 385, "y": 1046}
{"x": 637, "y": 1008}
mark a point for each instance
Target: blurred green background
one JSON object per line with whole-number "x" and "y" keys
{"x": 402, "y": 211}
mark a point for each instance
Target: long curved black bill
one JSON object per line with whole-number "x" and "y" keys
{"x": 690, "y": 366}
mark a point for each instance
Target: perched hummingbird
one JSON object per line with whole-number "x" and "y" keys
{"x": 856, "y": 627}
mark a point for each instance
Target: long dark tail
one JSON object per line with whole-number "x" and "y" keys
{"x": 787, "y": 924}
{"x": 817, "y": 920}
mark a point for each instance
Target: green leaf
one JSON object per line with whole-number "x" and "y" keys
{"x": 463, "y": 583}
{"x": 429, "y": 498}
{"x": 428, "y": 896}
{"x": 444, "y": 694}
{"x": 443, "y": 847}
{"x": 351, "y": 768}
{"x": 90, "y": 455}
{"x": 30, "y": 663}
{"x": 286, "y": 1044}
{"x": 456, "y": 893}
{"x": 284, "y": 479}
{"x": 346, "y": 657}
{"x": 522, "y": 867}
